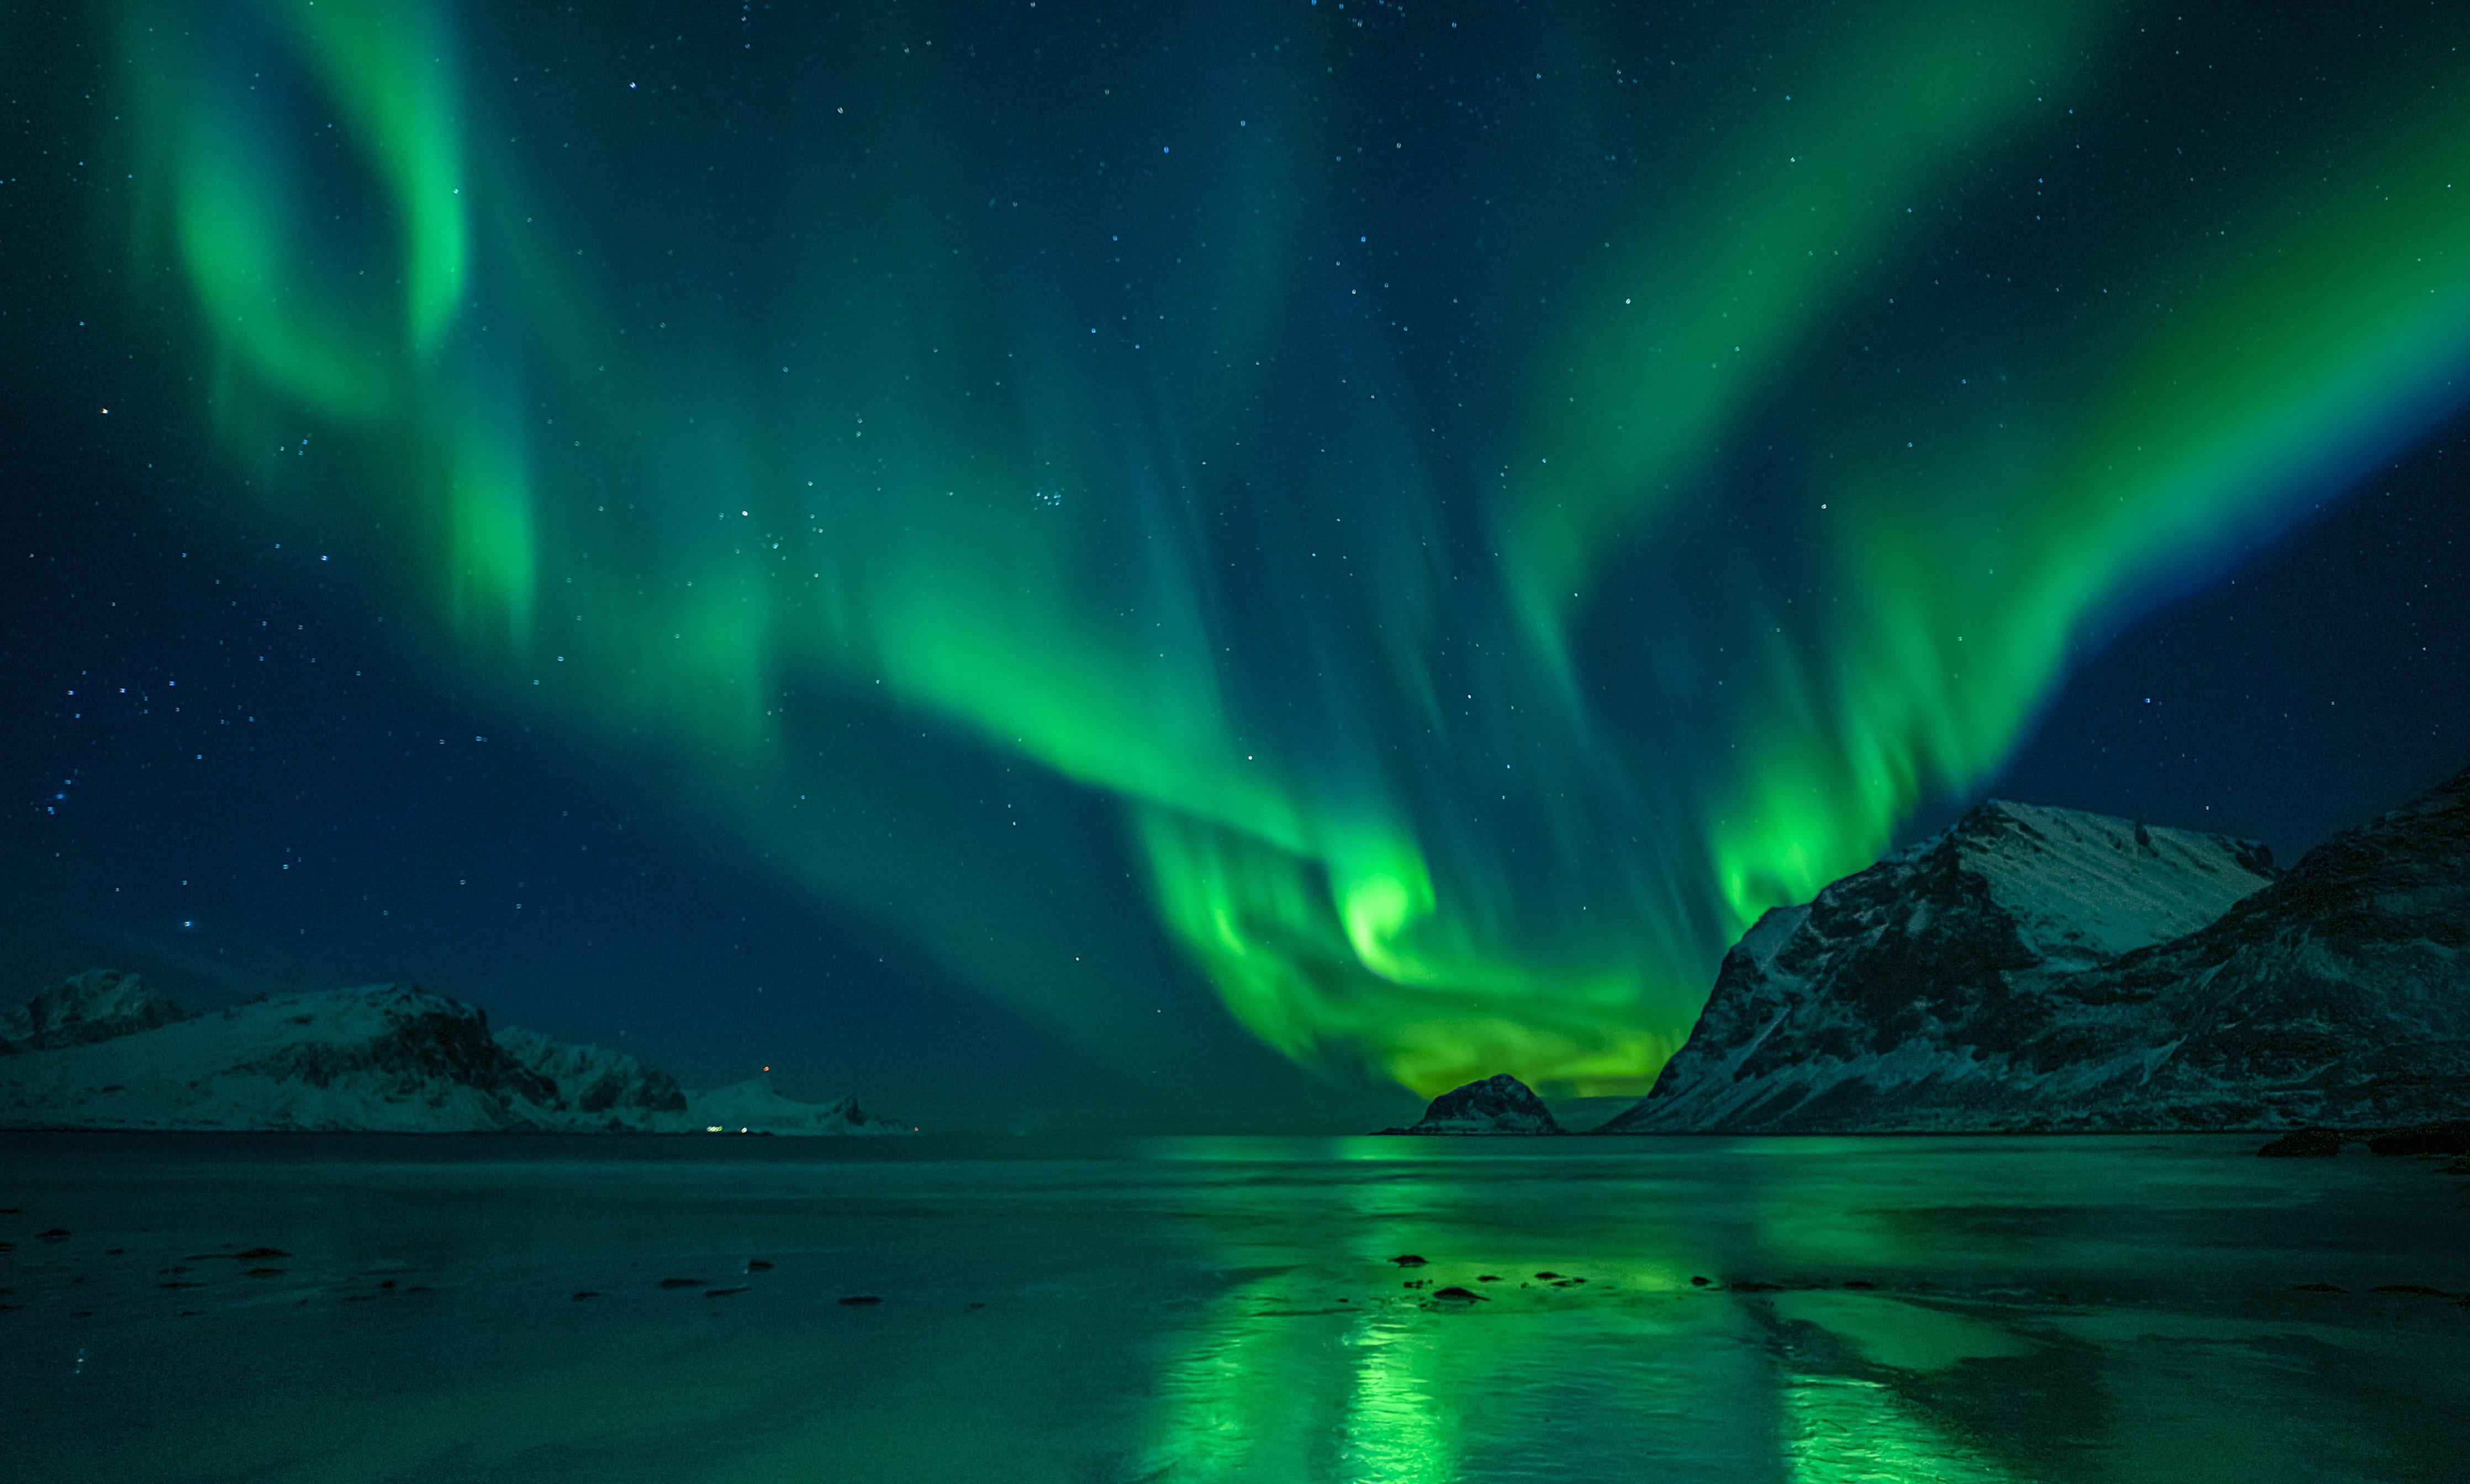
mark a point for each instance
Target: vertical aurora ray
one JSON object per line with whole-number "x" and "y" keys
{"x": 1816, "y": 153}
{"x": 1336, "y": 469}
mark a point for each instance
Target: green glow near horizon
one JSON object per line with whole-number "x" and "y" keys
{"x": 1399, "y": 771}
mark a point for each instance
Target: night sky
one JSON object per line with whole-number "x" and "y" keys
{"x": 1053, "y": 562}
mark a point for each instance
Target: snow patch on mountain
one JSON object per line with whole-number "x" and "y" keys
{"x": 752, "y": 1104}
{"x": 2082, "y": 889}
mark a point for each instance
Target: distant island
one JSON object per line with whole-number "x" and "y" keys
{"x": 2035, "y": 969}
{"x": 104, "y": 1050}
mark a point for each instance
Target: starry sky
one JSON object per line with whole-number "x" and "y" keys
{"x": 1066, "y": 561}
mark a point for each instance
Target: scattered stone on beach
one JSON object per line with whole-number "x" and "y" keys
{"x": 723, "y": 1292}
{"x": 1416, "y": 1282}
{"x": 1457, "y": 1295}
{"x": 1547, "y": 1276}
{"x": 758, "y": 1265}
{"x": 2413, "y": 1287}
{"x": 264, "y": 1272}
{"x": 2317, "y": 1287}
{"x": 261, "y": 1254}
{"x": 1859, "y": 1283}
{"x": 580, "y": 1294}
{"x": 389, "y": 1284}
{"x": 682, "y": 1283}
{"x": 2449, "y": 1137}
{"x": 1408, "y": 1259}
{"x": 179, "y": 1284}
{"x": 56, "y": 1234}
{"x": 854, "y": 1299}
{"x": 1487, "y": 1277}
{"x": 1697, "y": 1282}
{"x": 2304, "y": 1143}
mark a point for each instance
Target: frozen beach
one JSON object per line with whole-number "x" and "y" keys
{"x": 362, "y": 1309}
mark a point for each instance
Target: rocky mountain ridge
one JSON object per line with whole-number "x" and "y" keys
{"x": 2042, "y": 969}
{"x": 105, "y": 1051}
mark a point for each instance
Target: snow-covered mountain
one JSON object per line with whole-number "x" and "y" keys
{"x": 1499, "y": 1105}
{"x": 94, "y": 1006}
{"x": 2040, "y": 968}
{"x": 105, "y": 1051}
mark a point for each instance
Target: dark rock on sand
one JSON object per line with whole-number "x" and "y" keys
{"x": 2450, "y": 1137}
{"x": 1457, "y": 1295}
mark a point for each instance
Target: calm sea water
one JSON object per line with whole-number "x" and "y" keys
{"x": 1884, "y": 1310}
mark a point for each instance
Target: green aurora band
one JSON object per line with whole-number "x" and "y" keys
{"x": 1490, "y": 507}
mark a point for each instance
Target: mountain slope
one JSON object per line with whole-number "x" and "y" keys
{"x": 104, "y": 1051}
{"x": 2340, "y": 995}
{"x": 1937, "y": 988}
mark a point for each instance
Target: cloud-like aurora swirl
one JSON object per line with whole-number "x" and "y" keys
{"x": 1494, "y": 507}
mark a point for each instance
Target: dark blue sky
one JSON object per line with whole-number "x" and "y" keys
{"x": 244, "y": 752}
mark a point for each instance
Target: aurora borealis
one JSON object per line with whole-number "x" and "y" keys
{"x": 1487, "y": 500}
